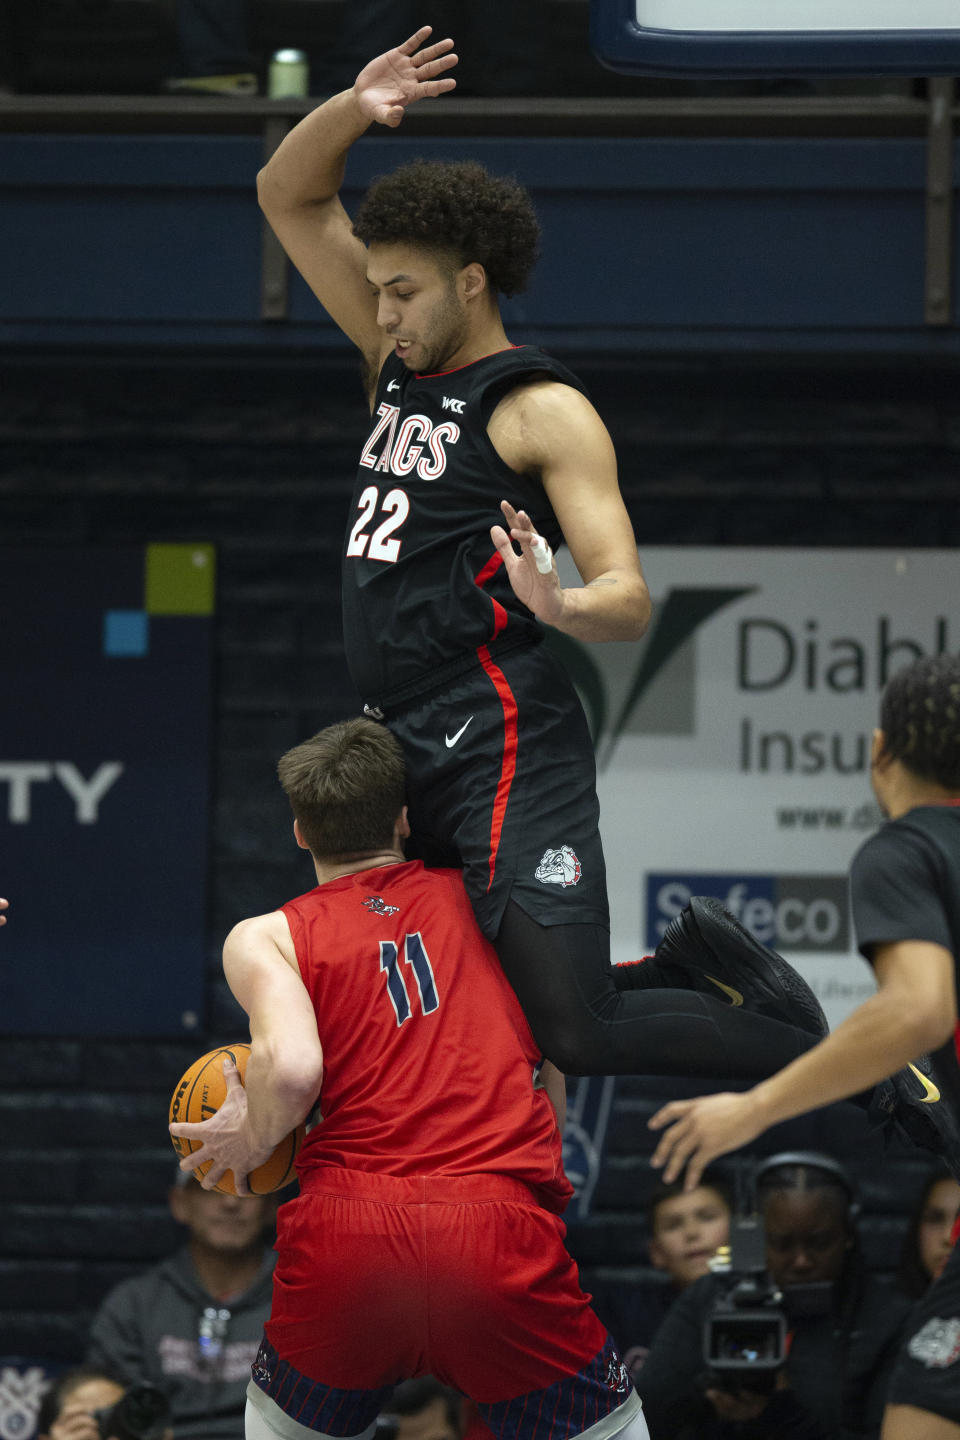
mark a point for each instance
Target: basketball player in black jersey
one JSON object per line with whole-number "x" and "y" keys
{"x": 905, "y": 886}
{"x": 481, "y": 458}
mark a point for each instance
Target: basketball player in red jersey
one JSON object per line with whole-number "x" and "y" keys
{"x": 447, "y": 586}
{"x": 426, "y": 1237}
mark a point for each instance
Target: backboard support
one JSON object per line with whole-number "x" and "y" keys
{"x": 741, "y": 38}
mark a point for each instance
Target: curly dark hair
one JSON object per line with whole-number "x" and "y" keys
{"x": 455, "y": 208}
{"x": 920, "y": 719}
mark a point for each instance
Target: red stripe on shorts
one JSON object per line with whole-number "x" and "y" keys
{"x": 508, "y": 767}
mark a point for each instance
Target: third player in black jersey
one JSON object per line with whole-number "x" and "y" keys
{"x": 905, "y": 886}
{"x": 480, "y": 458}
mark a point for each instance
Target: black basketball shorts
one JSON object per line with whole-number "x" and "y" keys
{"x": 927, "y": 1371}
{"x": 502, "y": 781}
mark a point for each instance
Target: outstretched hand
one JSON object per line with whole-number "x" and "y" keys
{"x": 386, "y": 86}
{"x": 539, "y": 589}
{"x": 225, "y": 1138}
{"x": 697, "y": 1131}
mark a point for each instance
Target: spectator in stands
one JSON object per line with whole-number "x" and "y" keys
{"x": 192, "y": 1324}
{"x": 67, "y": 1410}
{"x": 422, "y": 1409}
{"x": 928, "y": 1240}
{"x": 844, "y": 1326}
{"x": 75, "y": 1406}
{"x": 685, "y": 1233}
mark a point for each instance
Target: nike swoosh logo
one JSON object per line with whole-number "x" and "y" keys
{"x": 735, "y": 997}
{"x": 930, "y": 1092}
{"x": 452, "y": 739}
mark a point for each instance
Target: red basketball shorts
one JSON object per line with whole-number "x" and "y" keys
{"x": 380, "y": 1278}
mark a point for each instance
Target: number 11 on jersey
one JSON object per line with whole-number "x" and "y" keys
{"x": 415, "y": 955}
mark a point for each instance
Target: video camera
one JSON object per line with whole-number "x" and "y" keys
{"x": 141, "y": 1413}
{"x": 745, "y": 1334}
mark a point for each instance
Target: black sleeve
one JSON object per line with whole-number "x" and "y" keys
{"x": 894, "y": 891}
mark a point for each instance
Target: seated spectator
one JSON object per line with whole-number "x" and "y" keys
{"x": 192, "y": 1324}
{"x": 844, "y": 1327}
{"x": 80, "y": 1404}
{"x": 686, "y": 1231}
{"x": 423, "y": 1409}
{"x": 928, "y": 1240}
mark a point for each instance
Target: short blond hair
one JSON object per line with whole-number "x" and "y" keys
{"x": 346, "y": 786}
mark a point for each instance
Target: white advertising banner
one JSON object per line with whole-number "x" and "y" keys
{"x": 733, "y": 742}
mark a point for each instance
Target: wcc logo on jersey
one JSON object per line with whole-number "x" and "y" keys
{"x": 414, "y": 447}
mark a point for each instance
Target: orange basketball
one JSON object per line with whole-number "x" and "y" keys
{"x": 199, "y": 1094}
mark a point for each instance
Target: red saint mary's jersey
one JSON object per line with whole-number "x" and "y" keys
{"x": 428, "y": 1058}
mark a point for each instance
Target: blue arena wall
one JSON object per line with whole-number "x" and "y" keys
{"x": 650, "y": 244}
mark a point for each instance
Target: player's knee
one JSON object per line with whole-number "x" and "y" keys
{"x": 575, "y": 1049}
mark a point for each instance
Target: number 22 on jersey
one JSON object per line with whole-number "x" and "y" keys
{"x": 416, "y": 957}
{"x": 395, "y": 508}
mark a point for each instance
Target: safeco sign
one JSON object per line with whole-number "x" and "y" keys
{"x": 790, "y": 912}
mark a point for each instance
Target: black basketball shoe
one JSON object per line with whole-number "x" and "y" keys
{"x": 910, "y": 1100}
{"x": 704, "y": 948}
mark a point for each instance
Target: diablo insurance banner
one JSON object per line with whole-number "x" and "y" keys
{"x": 105, "y": 655}
{"x": 733, "y": 742}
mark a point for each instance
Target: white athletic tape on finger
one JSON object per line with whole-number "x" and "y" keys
{"x": 542, "y": 554}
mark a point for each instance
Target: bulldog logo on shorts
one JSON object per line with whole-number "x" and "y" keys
{"x": 558, "y": 867}
{"x": 937, "y": 1345}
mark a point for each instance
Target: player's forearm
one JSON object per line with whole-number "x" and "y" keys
{"x": 877, "y": 1040}
{"x": 613, "y": 606}
{"x": 282, "y": 1088}
{"x": 307, "y": 168}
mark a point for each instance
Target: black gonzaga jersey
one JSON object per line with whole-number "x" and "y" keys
{"x": 905, "y": 885}
{"x": 423, "y": 586}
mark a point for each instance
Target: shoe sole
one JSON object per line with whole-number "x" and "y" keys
{"x": 774, "y": 979}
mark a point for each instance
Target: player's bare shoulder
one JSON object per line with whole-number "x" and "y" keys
{"x": 260, "y": 939}
{"x": 540, "y": 419}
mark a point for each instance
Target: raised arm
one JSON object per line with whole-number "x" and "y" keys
{"x": 551, "y": 429}
{"x": 285, "y": 1067}
{"x": 298, "y": 188}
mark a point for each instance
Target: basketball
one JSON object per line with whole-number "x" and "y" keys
{"x": 200, "y": 1092}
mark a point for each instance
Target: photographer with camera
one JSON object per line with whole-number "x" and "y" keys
{"x": 86, "y": 1404}
{"x": 799, "y": 1341}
